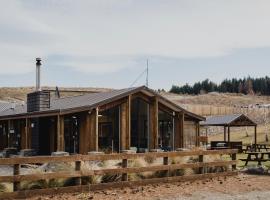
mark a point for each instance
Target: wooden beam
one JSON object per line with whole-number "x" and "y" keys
{"x": 112, "y": 105}
{"x": 153, "y": 111}
{"x": 103, "y": 157}
{"x": 60, "y": 133}
{"x": 165, "y": 109}
{"x": 142, "y": 96}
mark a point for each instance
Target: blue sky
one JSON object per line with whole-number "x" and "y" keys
{"x": 99, "y": 43}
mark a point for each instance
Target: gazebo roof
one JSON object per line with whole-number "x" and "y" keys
{"x": 228, "y": 120}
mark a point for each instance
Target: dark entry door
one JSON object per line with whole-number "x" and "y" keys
{"x": 72, "y": 135}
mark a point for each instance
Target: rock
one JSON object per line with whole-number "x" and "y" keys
{"x": 135, "y": 191}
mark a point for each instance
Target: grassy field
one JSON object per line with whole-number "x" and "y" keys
{"x": 240, "y": 135}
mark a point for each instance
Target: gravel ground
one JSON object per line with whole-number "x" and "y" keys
{"x": 241, "y": 187}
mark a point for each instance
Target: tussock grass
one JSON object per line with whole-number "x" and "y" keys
{"x": 3, "y": 188}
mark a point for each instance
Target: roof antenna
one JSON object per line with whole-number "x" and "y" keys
{"x": 144, "y": 71}
{"x": 147, "y": 73}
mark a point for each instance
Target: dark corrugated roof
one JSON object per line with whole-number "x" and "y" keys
{"x": 89, "y": 101}
{"x": 221, "y": 120}
{"x": 86, "y": 100}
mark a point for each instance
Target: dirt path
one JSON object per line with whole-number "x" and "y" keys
{"x": 240, "y": 187}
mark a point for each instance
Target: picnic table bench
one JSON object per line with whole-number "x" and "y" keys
{"x": 256, "y": 157}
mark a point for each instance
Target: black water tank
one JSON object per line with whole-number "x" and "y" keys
{"x": 38, "y": 101}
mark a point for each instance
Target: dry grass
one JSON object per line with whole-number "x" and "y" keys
{"x": 218, "y": 99}
{"x": 240, "y": 135}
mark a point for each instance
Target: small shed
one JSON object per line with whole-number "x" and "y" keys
{"x": 228, "y": 121}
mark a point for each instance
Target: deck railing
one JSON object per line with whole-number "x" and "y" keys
{"x": 124, "y": 169}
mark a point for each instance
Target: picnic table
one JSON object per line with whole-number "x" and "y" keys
{"x": 257, "y": 147}
{"x": 257, "y": 157}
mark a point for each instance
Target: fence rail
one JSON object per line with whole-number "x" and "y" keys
{"x": 78, "y": 173}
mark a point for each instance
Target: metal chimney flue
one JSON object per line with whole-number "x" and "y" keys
{"x": 38, "y": 65}
{"x": 38, "y": 100}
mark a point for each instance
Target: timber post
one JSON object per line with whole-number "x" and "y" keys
{"x": 60, "y": 133}
{"x": 124, "y": 165}
{"x": 182, "y": 124}
{"x": 225, "y": 132}
{"x": 78, "y": 181}
{"x": 229, "y": 134}
{"x": 166, "y": 162}
{"x": 197, "y": 134}
{"x": 201, "y": 169}
{"x": 16, "y": 171}
{"x": 92, "y": 122}
{"x": 234, "y": 159}
{"x": 125, "y": 117}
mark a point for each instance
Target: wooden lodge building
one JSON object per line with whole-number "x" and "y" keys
{"x": 108, "y": 121}
{"x": 136, "y": 118}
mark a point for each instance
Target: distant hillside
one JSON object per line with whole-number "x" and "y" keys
{"x": 218, "y": 99}
{"x": 254, "y": 106}
{"x": 213, "y": 98}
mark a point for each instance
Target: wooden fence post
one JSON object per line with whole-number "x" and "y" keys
{"x": 78, "y": 180}
{"x": 234, "y": 159}
{"x": 166, "y": 162}
{"x": 201, "y": 169}
{"x": 16, "y": 171}
{"x": 124, "y": 165}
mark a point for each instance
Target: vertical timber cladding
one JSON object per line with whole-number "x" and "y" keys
{"x": 92, "y": 126}
{"x": 190, "y": 134}
{"x": 84, "y": 133}
{"x": 88, "y": 131}
{"x": 125, "y": 117}
{"x": 25, "y": 126}
{"x": 179, "y": 130}
{"x": 153, "y": 123}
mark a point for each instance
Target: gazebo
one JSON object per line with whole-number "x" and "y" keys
{"x": 229, "y": 121}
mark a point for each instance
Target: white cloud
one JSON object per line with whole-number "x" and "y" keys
{"x": 97, "y": 34}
